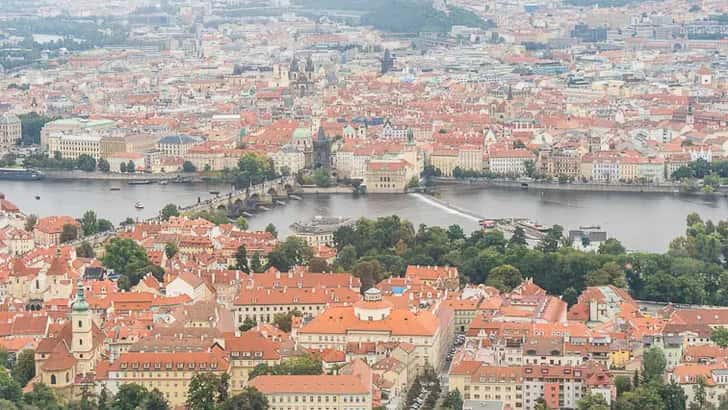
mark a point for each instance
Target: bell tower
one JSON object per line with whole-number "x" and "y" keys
{"x": 82, "y": 324}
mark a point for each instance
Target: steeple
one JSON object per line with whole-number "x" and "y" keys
{"x": 80, "y": 305}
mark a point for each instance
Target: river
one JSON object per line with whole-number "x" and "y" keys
{"x": 641, "y": 221}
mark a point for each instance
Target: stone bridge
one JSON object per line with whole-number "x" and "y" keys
{"x": 235, "y": 203}
{"x": 247, "y": 199}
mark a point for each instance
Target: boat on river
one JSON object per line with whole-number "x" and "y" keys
{"x": 20, "y": 174}
{"x": 139, "y": 205}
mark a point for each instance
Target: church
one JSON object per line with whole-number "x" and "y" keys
{"x": 65, "y": 361}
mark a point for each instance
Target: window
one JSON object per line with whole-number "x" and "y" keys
{"x": 53, "y": 379}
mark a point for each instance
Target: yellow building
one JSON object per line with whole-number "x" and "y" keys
{"x": 390, "y": 176}
{"x": 446, "y": 160}
{"x": 330, "y": 392}
{"x": 72, "y": 146}
{"x": 618, "y": 359}
{"x": 246, "y": 351}
{"x": 170, "y": 373}
{"x": 477, "y": 381}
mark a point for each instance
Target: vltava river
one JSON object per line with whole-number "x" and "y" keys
{"x": 641, "y": 221}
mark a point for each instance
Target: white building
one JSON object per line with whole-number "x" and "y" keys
{"x": 10, "y": 131}
{"x": 290, "y": 157}
{"x": 510, "y": 162}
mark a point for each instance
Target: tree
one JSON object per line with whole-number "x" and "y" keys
{"x": 241, "y": 259}
{"x": 130, "y": 167}
{"x": 104, "y": 225}
{"x": 170, "y": 249}
{"x": 552, "y": 239}
{"x": 611, "y": 247}
{"x": 248, "y": 324}
{"x": 593, "y": 402}
{"x": 454, "y": 400}
{"x": 187, "y": 166}
{"x": 242, "y": 223}
{"x": 270, "y": 228}
{"x": 253, "y": 169}
{"x": 673, "y": 396}
{"x": 89, "y": 224}
{"x": 369, "y": 273}
{"x": 609, "y": 274}
{"x": 207, "y": 391}
{"x": 530, "y": 167}
{"x": 700, "y": 397}
{"x": 42, "y": 397}
{"x": 124, "y": 283}
{"x": 169, "y": 211}
{"x": 321, "y": 178}
{"x": 414, "y": 182}
{"x": 720, "y": 336}
{"x": 455, "y": 232}
{"x": 622, "y": 384}
{"x": 256, "y": 264}
{"x": 9, "y": 388}
{"x": 30, "y": 124}
{"x": 127, "y": 258}
{"x": 155, "y": 401}
{"x": 284, "y": 321}
{"x": 103, "y": 165}
{"x": 85, "y": 250}
{"x": 293, "y": 251}
{"x": 318, "y": 265}
{"x": 130, "y": 396}
{"x": 653, "y": 364}
{"x": 518, "y": 238}
{"x": 249, "y": 399}
{"x": 504, "y": 278}
{"x": 69, "y": 233}
{"x": 645, "y": 397}
{"x": 122, "y": 167}
{"x": 30, "y": 222}
{"x": 346, "y": 258}
{"x": 86, "y": 163}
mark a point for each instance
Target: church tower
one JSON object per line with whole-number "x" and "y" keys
{"x": 689, "y": 118}
{"x": 82, "y": 344}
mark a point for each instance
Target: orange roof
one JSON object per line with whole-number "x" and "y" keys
{"x": 340, "y": 320}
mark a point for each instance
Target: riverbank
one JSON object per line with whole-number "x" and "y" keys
{"x": 77, "y": 175}
{"x": 579, "y": 187}
{"x": 326, "y": 191}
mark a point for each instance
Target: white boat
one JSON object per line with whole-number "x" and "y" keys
{"x": 139, "y": 205}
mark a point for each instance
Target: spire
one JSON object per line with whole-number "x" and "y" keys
{"x": 80, "y": 305}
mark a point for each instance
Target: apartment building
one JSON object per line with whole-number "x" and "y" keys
{"x": 71, "y": 146}
{"x": 47, "y": 231}
{"x": 377, "y": 320}
{"x": 10, "y": 130}
{"x": 479, "y": 382}
{"x": 170, "y": 373}
{"x": 510, "y": 161}
{"x": 321, "y": 392}
{"x": 177, "y": 145}
{"x": 247, "y": 350}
